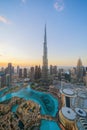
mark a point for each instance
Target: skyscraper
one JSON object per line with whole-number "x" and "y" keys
{"x": 20, "y": 73}
{"x": 10, "y": 70}
{"x": 25, "y": 73}
{"x": 2, "y": 79}
{"x": 7, "y": 79}
{"x": 79, "y": 70}
{"x": 45, "y": 60}
{"x": 18, "y": 69}
{"x": 31, "y": 75}
{"x": 37, "y": 74}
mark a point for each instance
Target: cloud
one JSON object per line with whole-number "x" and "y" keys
{"x": 59, "y": 5}
{"x": 4, "y": 20}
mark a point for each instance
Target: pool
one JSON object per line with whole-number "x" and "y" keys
{"x": 49, "y": 104}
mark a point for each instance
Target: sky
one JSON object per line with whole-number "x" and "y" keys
{"x": 22, "y": 25}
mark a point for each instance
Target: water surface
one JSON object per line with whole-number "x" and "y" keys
{"x": 49, "y": 104}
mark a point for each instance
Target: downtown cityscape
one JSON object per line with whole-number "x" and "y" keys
{"x": 43, "y": 65}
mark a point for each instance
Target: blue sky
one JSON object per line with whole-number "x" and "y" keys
{"x": 22, "y": 31}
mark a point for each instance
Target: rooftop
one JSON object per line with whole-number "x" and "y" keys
{"x": 80, "y": 112}
{"x": 68, "y": 92}
{"x": 82, "y": 94}
{"x": 68, "y": 113}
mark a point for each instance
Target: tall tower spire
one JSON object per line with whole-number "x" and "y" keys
{"x": 45, "y": 37}
{"x": 45, "y": 60}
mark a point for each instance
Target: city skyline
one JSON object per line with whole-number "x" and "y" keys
{"x": 22, "y": 30}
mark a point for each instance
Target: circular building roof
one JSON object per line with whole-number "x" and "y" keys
{"x": 80, "y": 112}
{"x": 82, "y": 94}
{"x": 68, "y": 92}
{"x": 68, "y": 113}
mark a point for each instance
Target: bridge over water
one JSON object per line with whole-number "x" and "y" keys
{"x": 48, "y": 117}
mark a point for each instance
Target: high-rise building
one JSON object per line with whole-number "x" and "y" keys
{"x": 51, "y": 69}
{"x": 37, "y": 72}
{"x": 45, "y": 60}
{"x": 79, "y": 70}
{"x": 20, "y": 73}
{"x": 55, "y": 69}
{"x": 86, "y": 79}
{"x": 18, "y": 69}
{"x": 0, "y": 82}
{"x": 25, "y": 72}
{"x": 10, "y": 70}
{"x": 7, "y": 79}
{"x": 2, "y": 79}
{"x": 31, "y": 75}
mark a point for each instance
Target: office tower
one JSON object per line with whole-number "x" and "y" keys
{"x": 2, "y": 69}
{"x": 2, "y": 79}
{"x": 20, "y": 73}
{"x": 55, "y": 70}
{"x": 18, "y": 69}
{"x": 45, "y": 60}
{"x": 60, "y": 74}
{"x": 10, "y": 70}
{"x": 79, "y": 71}
{"x": 25, "y": 73}
{"x": 86, "y": 78}
{"x": 37, "y": 72}
{"x": 7, "y": 79}
{"x": 31, "y": 73}
{"x": 51, "y": 69}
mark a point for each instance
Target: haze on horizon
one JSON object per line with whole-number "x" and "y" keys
{"x": 22, "y": 31}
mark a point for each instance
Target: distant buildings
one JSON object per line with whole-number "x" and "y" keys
{"x": 53, "y": 70}
{"x": 78, "y": 74}
{"x": 6, "y": 75}
{"x": 22, "y": 72}
{"x": 35, "y": 73}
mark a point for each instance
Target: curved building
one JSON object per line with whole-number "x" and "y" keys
{"x": 80, "y": 112}
{"x": 66, "y": 95}
{"x": 81, "y": 100}
{"x": 67, "y": 118}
